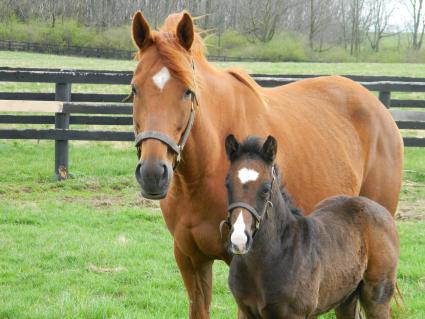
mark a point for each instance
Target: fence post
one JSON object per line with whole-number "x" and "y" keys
{"x": 62, "y": 93}
{"x": 385, "y": 98}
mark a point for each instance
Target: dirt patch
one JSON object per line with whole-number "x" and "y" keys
{"x": 101, "y": 270}
{"x": 110, "y": 201}
{"x": 102, "y": 201}
{"x": 147, "y": 202}
{"x": 408, "y": 210}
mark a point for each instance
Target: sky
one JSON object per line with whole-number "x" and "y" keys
{"x": 401, "y": 16}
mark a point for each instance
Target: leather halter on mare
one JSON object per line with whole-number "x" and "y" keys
{"x": 254, "y": 213}
{"x": 157, "y": 135}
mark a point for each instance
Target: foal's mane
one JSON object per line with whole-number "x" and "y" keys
{"x": 178, "y": 60}
{"x": 252, "y": 148}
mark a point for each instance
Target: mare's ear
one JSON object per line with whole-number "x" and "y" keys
{"x": 232, "y": 146}
{"x": 185, "y": 31}
{"x": 269, "y": 148}
{"x": 141, "y": 31}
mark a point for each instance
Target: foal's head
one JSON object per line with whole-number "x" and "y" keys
{"x": 163, "y": 91}
{"x": 250, "y": 182}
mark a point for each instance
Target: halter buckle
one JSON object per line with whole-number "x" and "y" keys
{"x": 179, "y": 154}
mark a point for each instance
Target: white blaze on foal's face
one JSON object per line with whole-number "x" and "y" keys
{"x": 247, "y": 175}
{"x": 238, "y": 237}
{"x": 161, "y": 78}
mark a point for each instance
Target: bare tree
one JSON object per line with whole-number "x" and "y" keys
{"x": 320, "y": 16}
{"x": 380, "y": 13}
{"x": 260, "y": 18}
{"x": 416, "y": 9}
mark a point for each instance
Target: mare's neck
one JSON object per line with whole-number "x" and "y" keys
{"x": 220, "y": 112}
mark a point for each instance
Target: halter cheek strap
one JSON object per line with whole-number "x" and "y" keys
{"x": 157, "y": 135}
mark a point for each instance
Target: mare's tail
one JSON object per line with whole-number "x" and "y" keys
{"x": 398, "y": 298}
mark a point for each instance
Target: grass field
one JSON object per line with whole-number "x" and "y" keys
{"x": 90, "y": 247}
{"x": 28, "y": 60}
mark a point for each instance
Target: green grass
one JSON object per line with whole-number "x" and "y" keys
{"x": 28, "y": 60}
{"x": 90, "y": 247}
{"x": 57, "y": 238}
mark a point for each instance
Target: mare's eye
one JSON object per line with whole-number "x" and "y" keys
{"x": 133, "y": 89}
{"x": 187, "y": 94}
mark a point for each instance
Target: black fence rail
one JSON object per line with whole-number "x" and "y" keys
{"x": 72, "y": 50}
{"x": 109, "y": 53}
{"x": 64, "y": 108}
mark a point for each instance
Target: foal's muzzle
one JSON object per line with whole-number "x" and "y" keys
{"x": 241, "y": 250}
{"x": 154, "y": 178}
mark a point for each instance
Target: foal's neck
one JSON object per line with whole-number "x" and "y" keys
{"x": 277, "y": 224}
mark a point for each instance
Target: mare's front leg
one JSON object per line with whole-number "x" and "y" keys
{"x": 197, "y": 277}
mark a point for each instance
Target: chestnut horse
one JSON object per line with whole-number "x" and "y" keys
{"x": 338, "y": 139}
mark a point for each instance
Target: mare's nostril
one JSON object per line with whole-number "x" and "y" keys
{"x": 165, "y": 171}
{"x": 138, "y": 173}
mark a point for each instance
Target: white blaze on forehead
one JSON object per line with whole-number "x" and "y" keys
{"x": 161, "y": 78}
{"x": 247, "y": 175}
{"x": 238, "y": 237}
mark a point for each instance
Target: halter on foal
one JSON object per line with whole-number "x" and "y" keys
{"x": 290, "y": 266}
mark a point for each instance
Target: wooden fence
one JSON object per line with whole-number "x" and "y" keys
{"x": 110, "y": 53}
{"x": 64, "y": 108}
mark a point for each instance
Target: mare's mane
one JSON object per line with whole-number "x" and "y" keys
{"x": 179, "y": 61}
{"x": 251, "y": 148}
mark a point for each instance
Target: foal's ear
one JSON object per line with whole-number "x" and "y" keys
{"x": 269, "y": 148}
{"x": 185, "y": 31}
{"x": 232, "y": 146}
{"x": 141, "y": 31}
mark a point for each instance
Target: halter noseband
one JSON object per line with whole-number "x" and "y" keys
{"x": 254, "y": 213}
{"x": 164, "y": 138}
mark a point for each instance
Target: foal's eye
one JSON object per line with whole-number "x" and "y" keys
{"x": 266, "y": 188}
{"x": 187, "y": 94}
{"x": 133, "y": 89}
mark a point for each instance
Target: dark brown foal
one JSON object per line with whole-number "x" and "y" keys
{"x": 286, "y": 265}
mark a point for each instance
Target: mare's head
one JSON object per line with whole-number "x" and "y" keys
{"x": 163, "y": 90}
{"x": 250, "y": 182}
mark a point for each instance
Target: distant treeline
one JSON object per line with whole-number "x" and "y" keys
{"x": 278, "y": 30}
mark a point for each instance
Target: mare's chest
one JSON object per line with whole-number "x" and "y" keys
{"x": 194, "y": 222}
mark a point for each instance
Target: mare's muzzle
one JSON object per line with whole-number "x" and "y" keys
{"x": 154, "y": 178}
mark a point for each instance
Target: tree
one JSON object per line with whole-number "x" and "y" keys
{"x": 380, "y": 14}
{"x": 260, "y": 18}
{"x": 320, "y": 16}
{"x": 416, "y": 9}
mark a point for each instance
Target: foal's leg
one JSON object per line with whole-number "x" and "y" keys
{"x": 375, "y": 297}
{"x": 348, "y": 309}
{"x": 197, "y": 277}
